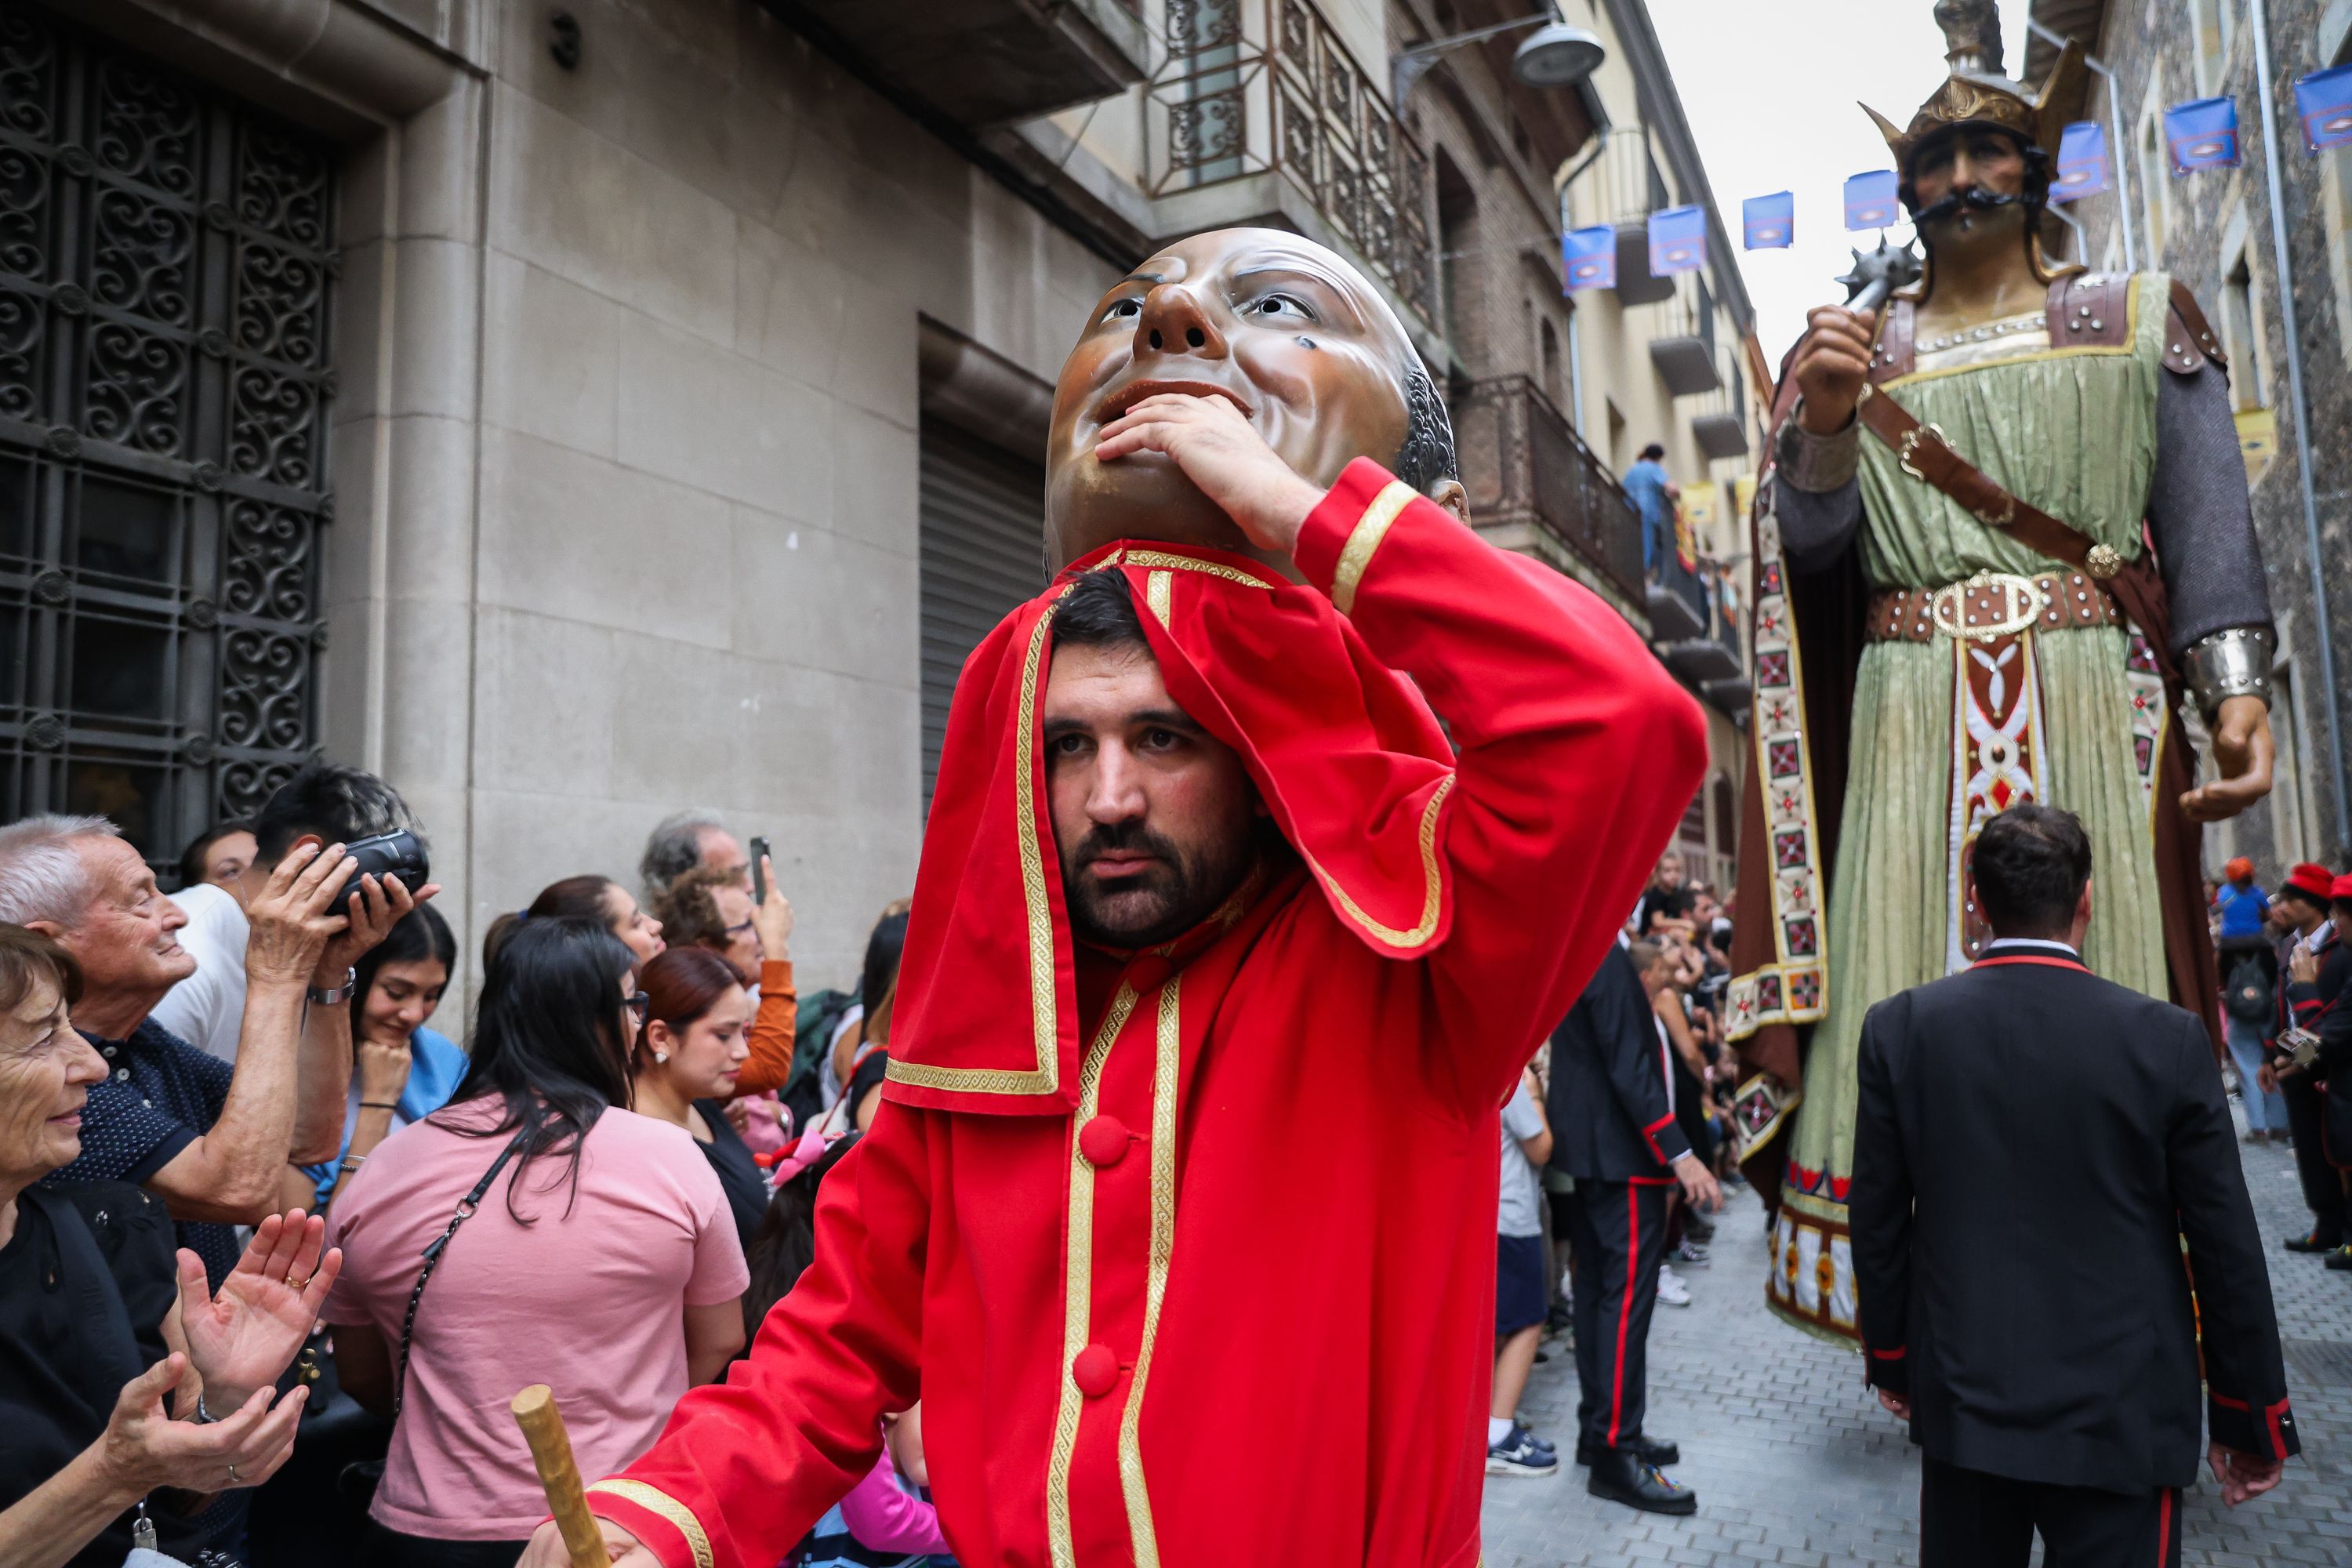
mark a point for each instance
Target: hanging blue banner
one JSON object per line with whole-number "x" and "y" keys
{"x": 1588, "y": 258}
{"x": 1678, "y": 241}
{"x": 2324, "y": 99}
{"x": 1871, "y": 200}
{"x": 1769, "y": 223}
{"x": 2082, "y": 162}
{"x": 2203, "y": 134}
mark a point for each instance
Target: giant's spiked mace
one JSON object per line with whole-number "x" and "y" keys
{"x": 1876, "y": 276}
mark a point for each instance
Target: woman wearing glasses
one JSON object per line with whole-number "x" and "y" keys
{"x": 589, "y": 1247}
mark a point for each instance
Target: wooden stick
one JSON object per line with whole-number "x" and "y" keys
{"x": 550, "y": 1450}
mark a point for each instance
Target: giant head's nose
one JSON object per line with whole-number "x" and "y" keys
{"x": 1174, "y": 321}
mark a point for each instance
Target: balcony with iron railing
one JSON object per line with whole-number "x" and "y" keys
{"x": 1535, "y": 488}
{"x": 1718, "y": 419}
{"x": 1260, "y": 112}
{"x": 1694, "y": 615}
{"x": 1620, "y": 184}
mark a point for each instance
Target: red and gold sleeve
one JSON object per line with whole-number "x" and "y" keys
{"x": 1577, "y": 755}
{"x": 745, "y": 1467}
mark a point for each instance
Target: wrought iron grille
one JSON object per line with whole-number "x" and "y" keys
{"x": 166, "y": 258}
{"x": 1235, "y": 100}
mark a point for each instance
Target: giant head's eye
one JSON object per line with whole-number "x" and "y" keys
{"x": 1279, "y": 305}
{"x": 1123, "y": 311}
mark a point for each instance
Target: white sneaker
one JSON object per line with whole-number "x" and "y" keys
{"x": 1672, "y": 1291}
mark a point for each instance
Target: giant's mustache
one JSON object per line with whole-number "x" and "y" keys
{"x": 1974, "y": 198}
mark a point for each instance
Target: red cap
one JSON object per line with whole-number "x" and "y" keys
{"x": 2309, "y": 878}
{"x": 2343, "y": 889}
{"x": 2238, "y": 868}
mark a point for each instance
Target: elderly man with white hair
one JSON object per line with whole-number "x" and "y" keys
{"x": 209, "y": 1140}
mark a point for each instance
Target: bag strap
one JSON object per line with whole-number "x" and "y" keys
{"x": 440, "y": 1243}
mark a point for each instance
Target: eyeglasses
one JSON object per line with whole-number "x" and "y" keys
{"x": 637, "y": 1001}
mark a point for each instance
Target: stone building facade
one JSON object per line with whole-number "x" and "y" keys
{"x": 2212, "y": 228}
{"x": 579, "y": 409}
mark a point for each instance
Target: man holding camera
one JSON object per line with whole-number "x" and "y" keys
{"x": 212, "y": 1141}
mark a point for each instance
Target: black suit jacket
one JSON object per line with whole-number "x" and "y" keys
{"x": 2032, "y": 1144}
{"x": 1610, "y": 1119}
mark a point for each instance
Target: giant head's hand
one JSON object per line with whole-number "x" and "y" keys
{"x": 1296, "y": 339}
{"x": 2242, "y": 751}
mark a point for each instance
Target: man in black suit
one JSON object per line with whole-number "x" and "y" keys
{"x": 2032, "y": 1145}
{"x": 1611, "y": 1109}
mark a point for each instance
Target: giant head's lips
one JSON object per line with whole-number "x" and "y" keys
{"x": 1122, "y": 398}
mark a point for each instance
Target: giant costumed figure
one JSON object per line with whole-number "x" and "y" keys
{"x": 2004, "y": 539}
{"x": 1178, "y": 1214}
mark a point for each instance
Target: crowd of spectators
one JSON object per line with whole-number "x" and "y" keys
{"x": 275, "y": 1251}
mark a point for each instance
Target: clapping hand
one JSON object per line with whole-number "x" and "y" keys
{"x": 144, "y": 1449}
{"x": 241, "y": 1339}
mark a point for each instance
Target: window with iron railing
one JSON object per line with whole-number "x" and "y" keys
{"x": 166, "y": 259}
{"x": 1252, "y": 87}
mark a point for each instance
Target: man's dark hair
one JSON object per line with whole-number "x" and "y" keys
{"x": 339, "y": 804}
{"x": 1427, "y": 455}
{"x": 2029, "y": 864}
{"x": 1099, "y": 612}
{"x": 1653, "y": 452}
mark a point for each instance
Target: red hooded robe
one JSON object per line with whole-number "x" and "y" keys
{"x": 1190, "y": 1253}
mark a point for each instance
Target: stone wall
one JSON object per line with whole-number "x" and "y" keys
{"x": 2151, "y": 41}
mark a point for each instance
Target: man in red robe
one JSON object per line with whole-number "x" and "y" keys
{"x": 1224, "y": 956}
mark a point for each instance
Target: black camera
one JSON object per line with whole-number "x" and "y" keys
{"x": 399, "y": 854}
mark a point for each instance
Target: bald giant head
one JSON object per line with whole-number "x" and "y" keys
{"x": 1296, "y": 338}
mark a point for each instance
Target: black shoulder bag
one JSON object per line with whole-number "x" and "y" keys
{"x": 360, "y": 1479}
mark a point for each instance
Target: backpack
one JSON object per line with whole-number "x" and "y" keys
{"x": 2246, "y": 994}
{"x": 819, "y": 1015}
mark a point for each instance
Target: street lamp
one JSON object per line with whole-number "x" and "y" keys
{"x": 1554, "y": 55}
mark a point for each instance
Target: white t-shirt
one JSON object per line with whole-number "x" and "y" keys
{"x": 1516, "y": 1213}
{"x": 207, "y": 1008}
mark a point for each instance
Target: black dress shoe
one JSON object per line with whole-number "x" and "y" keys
{"x": 2341, "y": 1259}
{"x": 1649, "y": 1450}
{"x": 2311, "y": 1243}
{"x": 1618, "y": 1475}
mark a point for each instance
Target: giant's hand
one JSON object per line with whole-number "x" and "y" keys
{"x": 546, "y": 1547}
{"x": 2243, "y": 750}
{"x": 1832, "y": 363}
{"x": 243, "y": 1338}
{"x": 1223, "y": 454}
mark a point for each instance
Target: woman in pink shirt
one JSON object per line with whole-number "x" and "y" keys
{"x": 599, "y": 1258}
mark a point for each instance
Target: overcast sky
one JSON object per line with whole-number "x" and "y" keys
{"x": 1770, "y": 87}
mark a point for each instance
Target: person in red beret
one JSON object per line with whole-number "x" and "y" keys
{"x": 1225, "y": 954}
{"x": 2314, "y": 964}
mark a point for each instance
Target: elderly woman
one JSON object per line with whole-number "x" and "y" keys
{"x": 129, "y": 1393}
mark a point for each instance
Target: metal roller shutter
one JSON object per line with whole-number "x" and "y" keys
{"x": 982, "y": 553}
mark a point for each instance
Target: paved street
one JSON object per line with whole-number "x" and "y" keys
{"x": 1794, "y": 1463}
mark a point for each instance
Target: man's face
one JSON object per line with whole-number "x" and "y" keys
{"x": 1291, "y": 334}
{"x": 720, "y": 847}
{"x": 1153, "y": 819}
{"x": 46, "y": 1071}
{"x": 1977, "y": 158}
{"x": 2342, "y": 915}
{"x": 125, "y": 940}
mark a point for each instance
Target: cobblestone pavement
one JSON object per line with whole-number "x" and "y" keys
{"x": 1794, "y": 1462}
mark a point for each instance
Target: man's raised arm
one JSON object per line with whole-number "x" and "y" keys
{"x": 746, "y": 1467}
{"x": 1578, "y": 753}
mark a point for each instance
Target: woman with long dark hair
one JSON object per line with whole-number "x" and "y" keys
{"x": 692, "y": 1048}
{"x": 558, "y": 1206}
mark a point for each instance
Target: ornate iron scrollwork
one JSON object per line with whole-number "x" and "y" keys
{"x": 166, "y": 270}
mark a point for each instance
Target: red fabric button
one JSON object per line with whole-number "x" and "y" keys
{"x": 1094, "y": 1370}
{"x": 1103, "y": 1140}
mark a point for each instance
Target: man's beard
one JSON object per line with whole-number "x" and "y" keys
{"x": 1153, "y": 906}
